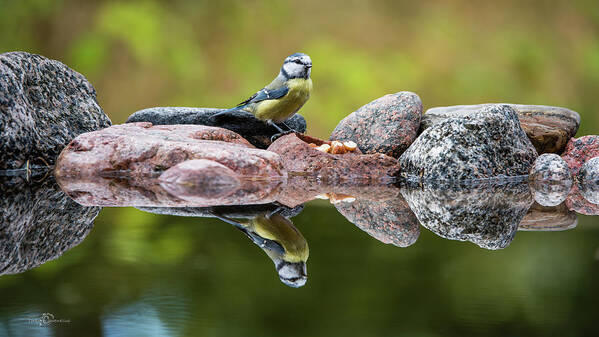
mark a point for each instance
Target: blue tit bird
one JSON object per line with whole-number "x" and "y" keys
{"x": 284, "y": 96}
{"x": 281, "y": 241}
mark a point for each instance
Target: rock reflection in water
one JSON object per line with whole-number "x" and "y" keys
{"x": 548, "y": 218}
{"x": 236, "y": 211}
{"x": 389, "y": 220}
{"x": 485, "y": 215}
{"x": 300, "y": 189}
{"x": 374, "y": 206}
{"x": 550, "y": 179}
{"x": 144, "y": 165}
{"x": 151, "y": 192}
{"x": 39, "y": 223}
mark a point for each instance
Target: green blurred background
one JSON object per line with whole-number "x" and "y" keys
{"x": 140, "y": 54}
{"x": 147, "y": 275}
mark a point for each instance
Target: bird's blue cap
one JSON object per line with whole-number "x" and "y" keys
{"x": 297, "y": 55}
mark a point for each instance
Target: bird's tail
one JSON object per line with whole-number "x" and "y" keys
{"x": 257, "y": 239}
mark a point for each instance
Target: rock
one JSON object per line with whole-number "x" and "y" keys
{"x": 43, "y": 106}
{"x": 550, "y": 168}
{"x": 579, "y": 150}
{"x": 551, "y": 194}
{"x": 200, "y": 178}
{"x": 207, "y": 183}
{"x": 298, "y": 156}
{"x": 134, "y": 155}
{"x": 487, "y": 217}
{"x": 578, "y": 203}
{"x": 141, "y": 149}
{"x": 387, "y": 125}
{"x": 255, "y": 131}
{"x": 300, "y": 189}
{"x": 550, "y": 179}
{"x": 549, "y": 128}
{"x": 390, "y": 221}
{"x": 588, "y": 180}
{"x": 482, "y": 145}
{"x": 235, "y": 211}
{"x": 577, "y": 153}
{"x": 28, "y": 175}
{"x": 38, "y": 224}
{"x": 553, "y": 218}
{"x": 120, "y": 191}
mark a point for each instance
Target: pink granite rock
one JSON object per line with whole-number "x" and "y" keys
{"x": 119, "y": 166}
{"x": 387, "y": 125}
{"x": 390, "y": 221}
{"x": 298, "y": 156}
{"x": 579, "y": 150}
{"x": 141, "y": 149}
{"x": 200, "y": 178}
{"x": 301, "y": 188}
{"x": 208, "y": 183}
{"x": 313, "y": 173}
{"x": 576, "y": 202}
{"x": 584, "y": 196}
{"x": 149, "y": 192}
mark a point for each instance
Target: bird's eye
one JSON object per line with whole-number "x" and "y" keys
{"x": 297, "y": 61}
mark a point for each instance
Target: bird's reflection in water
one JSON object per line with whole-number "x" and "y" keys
{"x": 280, "y": 240}
{"x": 39, "y": 222}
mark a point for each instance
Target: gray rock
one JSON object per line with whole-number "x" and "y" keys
{"x": 548, "y": 127}
{"x": 487, "y": 217}
{"x": 588, "y": 180}
{"x": 38, "y": 223}
{"x": 258, "y": 133}
{"x": 43, "y": 106}
{"x": 241, "y": 211}
{"x": 550, "y": 179}
{"x": 481, "y": 145}
{"x": 549, "y": 168}
{"x": 387, "y": 125}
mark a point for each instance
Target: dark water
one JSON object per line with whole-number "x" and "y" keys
{"x": 142, "y": 274}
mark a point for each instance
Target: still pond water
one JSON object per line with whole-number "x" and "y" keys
{"x": 143, "y": 274}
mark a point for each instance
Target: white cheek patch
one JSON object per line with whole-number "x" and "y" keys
{"x": 293, "y": 69}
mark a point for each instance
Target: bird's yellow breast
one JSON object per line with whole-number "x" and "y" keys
{"x": 281, "y": 230}
{"x": 278, "y": 110}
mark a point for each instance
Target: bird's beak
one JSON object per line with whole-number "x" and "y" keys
{"x": 308, "y": 66}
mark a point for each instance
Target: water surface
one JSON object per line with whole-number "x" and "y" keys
{"x": 143, "y": 274}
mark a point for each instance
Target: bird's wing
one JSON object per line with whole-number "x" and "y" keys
{"x": 266, "y": 94}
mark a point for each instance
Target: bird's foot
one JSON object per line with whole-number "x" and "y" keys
{"x": 280, "y": 134}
